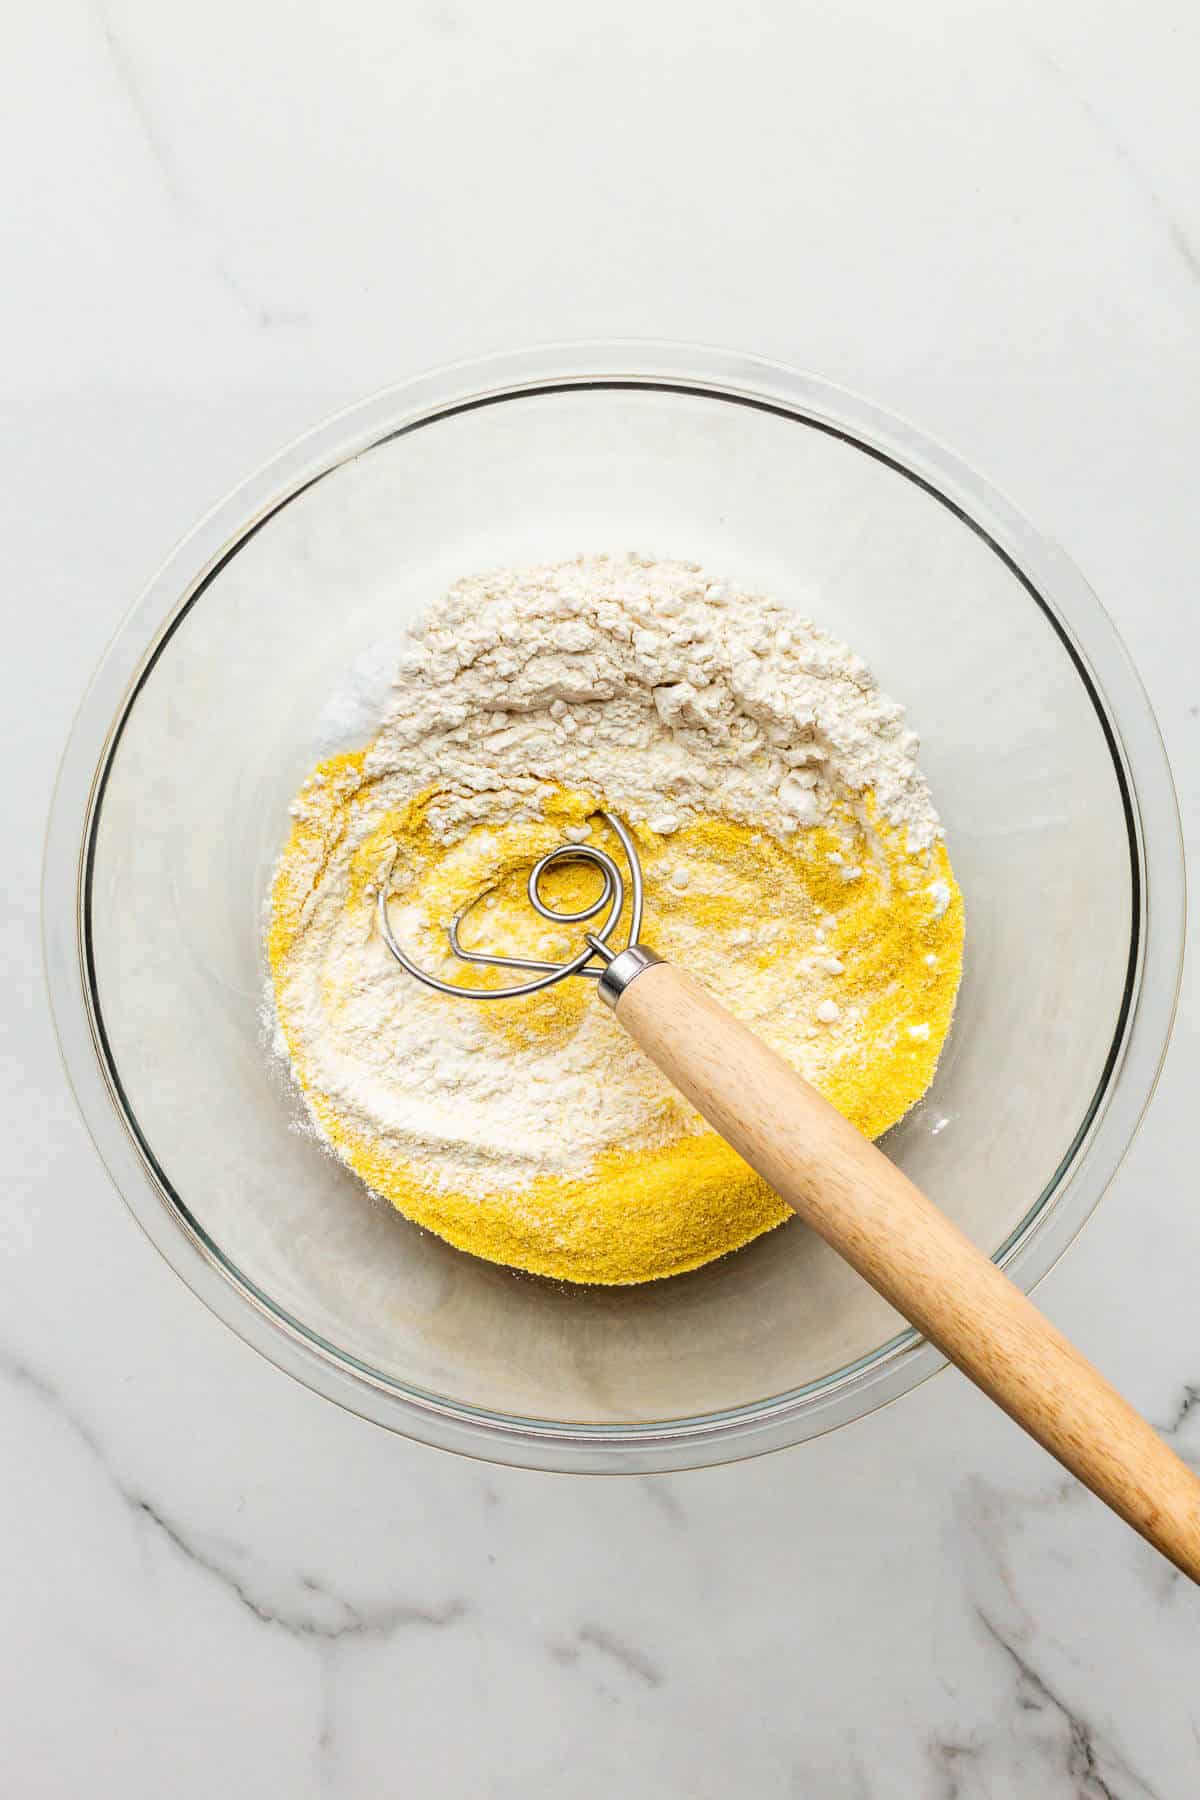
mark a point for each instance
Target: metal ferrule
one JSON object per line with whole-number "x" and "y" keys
{"x": 616, "y": 976}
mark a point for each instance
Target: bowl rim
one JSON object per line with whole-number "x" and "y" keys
{"x": 1053, "y": 582}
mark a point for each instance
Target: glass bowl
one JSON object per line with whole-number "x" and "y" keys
{"x": 172, "y": 805}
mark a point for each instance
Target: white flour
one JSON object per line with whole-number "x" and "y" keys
{"x": 653, "y": 683}
{"x": 673, "y": 697}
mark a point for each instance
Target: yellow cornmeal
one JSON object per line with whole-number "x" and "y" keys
{"x": 791, "y": 922}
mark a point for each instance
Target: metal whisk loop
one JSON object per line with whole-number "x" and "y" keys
{"x": 612, "y": 894}
{"x": 596, "y": 945}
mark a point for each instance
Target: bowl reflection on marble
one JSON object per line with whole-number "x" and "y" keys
{"x": 172, "y": 804}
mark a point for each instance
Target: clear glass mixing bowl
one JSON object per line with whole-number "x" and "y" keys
{"x": 172, "y": 804}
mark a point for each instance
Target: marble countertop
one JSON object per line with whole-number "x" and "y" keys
{"x": 223, "y": 223}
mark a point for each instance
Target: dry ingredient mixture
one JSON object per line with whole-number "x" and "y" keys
{"x": 793, "y": 862}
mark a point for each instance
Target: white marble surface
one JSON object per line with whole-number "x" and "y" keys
{"x": 224, "y": 221}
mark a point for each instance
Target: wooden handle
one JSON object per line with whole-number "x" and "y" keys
{"x": 870, "y": 1213}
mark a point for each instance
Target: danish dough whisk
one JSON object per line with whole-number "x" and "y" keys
{"x": 849, "y": 1192}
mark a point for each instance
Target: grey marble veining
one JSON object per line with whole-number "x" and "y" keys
{"x": 1147, "y": 189}
{"x": 227, "y": 222}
